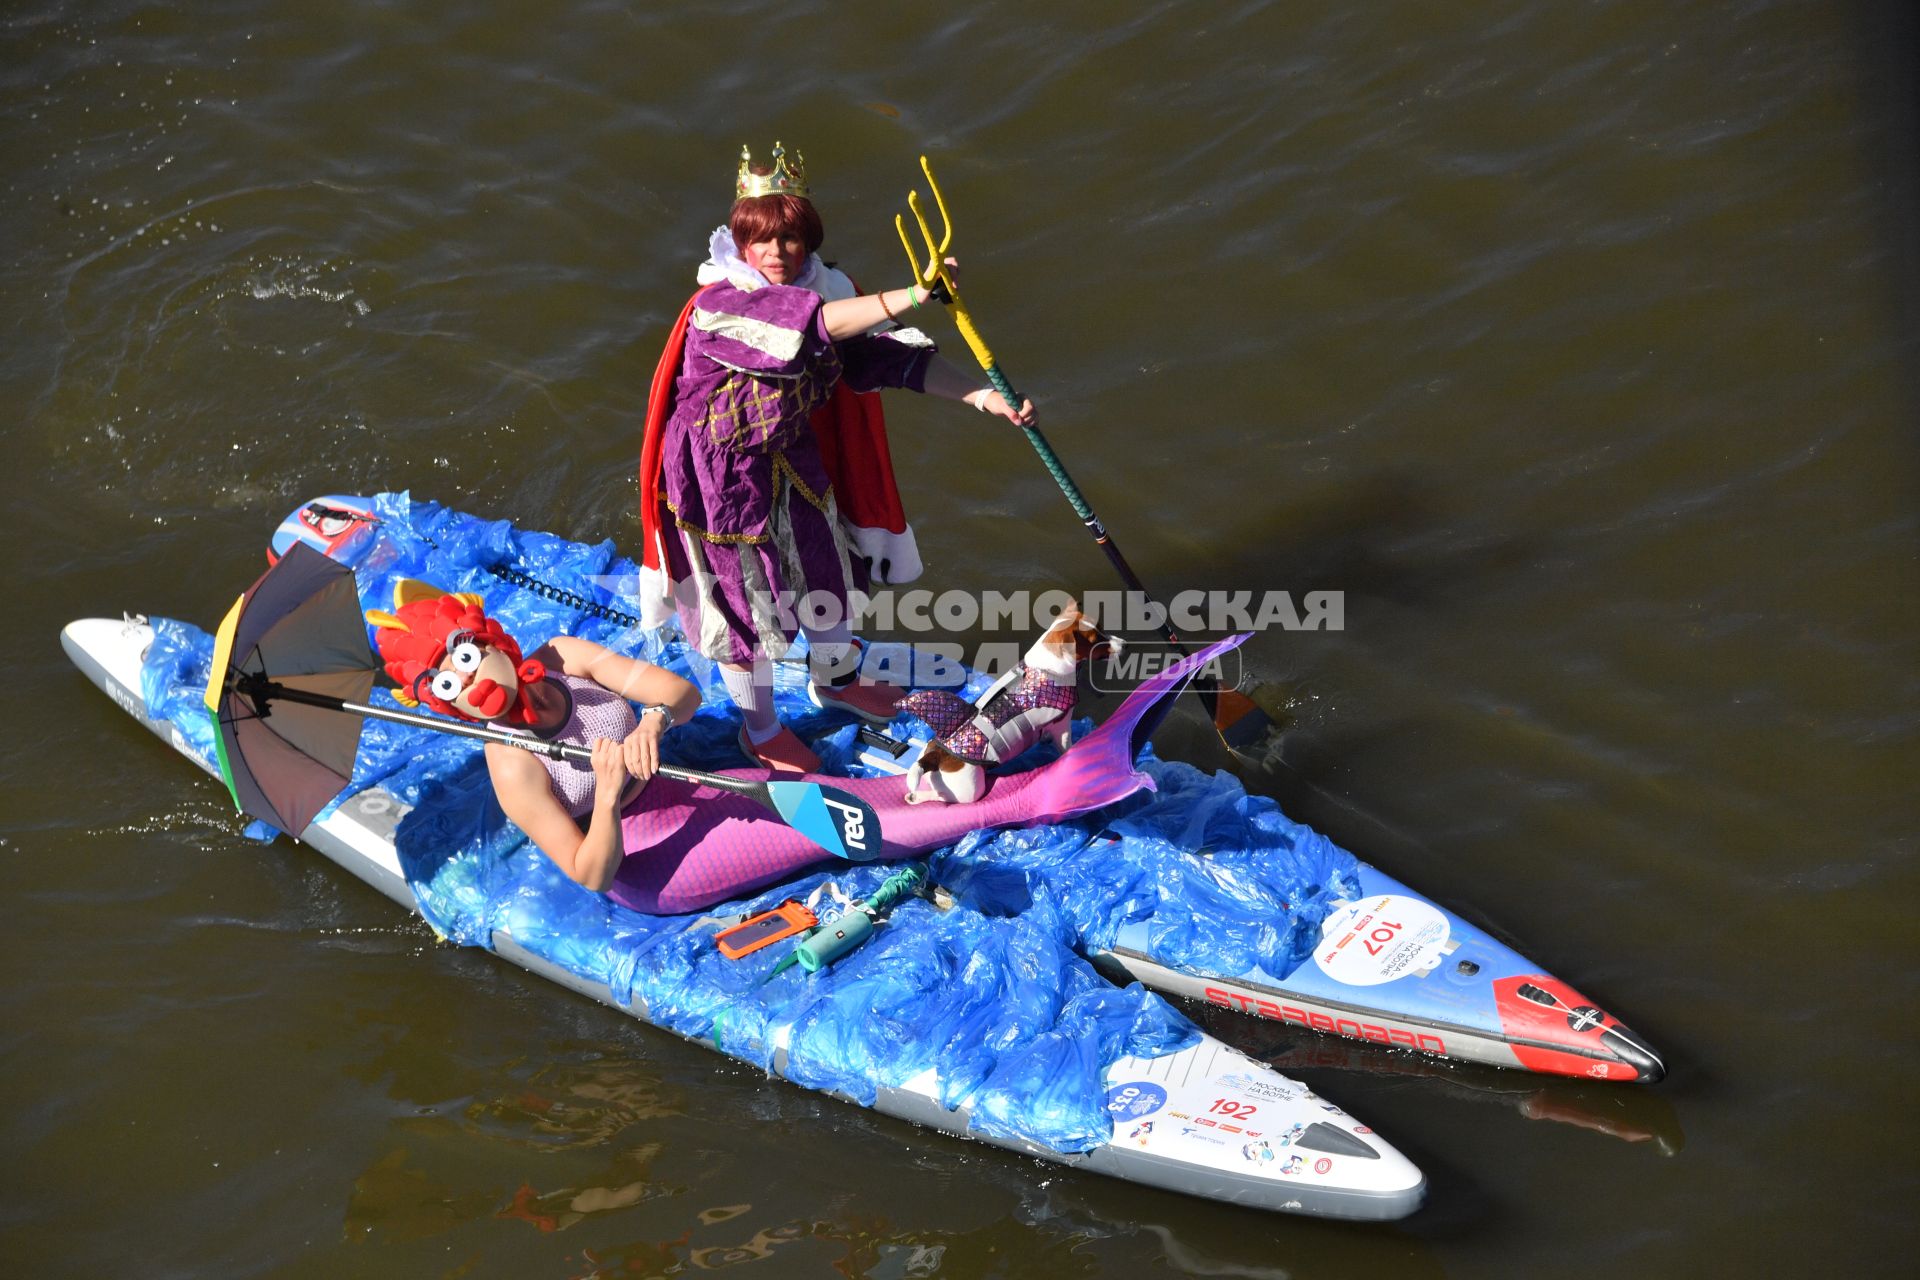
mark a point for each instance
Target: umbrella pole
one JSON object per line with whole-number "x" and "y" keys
{"x": 261, "y": 691}
{"x": 844, "y": 825}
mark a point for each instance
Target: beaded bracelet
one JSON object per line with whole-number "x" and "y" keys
{"x": 882, "y": 295}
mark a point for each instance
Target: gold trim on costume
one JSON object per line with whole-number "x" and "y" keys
{"x": 783, "y": 475}
{"x": 782, "y": 469}
{"x": 740, "y": 407}
{"x": 707, "y": 535}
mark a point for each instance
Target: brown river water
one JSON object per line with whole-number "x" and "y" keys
{"x": 1574, "y": 344}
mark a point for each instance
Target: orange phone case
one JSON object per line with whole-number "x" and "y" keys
{"x": 768, "y": 927}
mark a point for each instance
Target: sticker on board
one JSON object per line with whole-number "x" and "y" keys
{"x": 1131, "y": 1101}
{"x": 1381, "y": 938}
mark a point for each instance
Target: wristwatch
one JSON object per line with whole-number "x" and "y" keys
{"x": 666, "y": 714}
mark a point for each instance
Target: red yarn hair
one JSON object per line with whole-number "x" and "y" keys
{"x": 413, "y": 642}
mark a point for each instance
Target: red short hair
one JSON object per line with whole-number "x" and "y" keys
{"x": 764, "y": 217}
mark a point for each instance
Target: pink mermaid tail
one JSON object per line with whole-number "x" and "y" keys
{"x": 689, "y": 847}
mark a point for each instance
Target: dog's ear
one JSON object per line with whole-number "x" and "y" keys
{"x": 1066, "y": 622}
{"x": 1090, "y": 644}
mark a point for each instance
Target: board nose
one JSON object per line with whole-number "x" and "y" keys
{"x": 1557, "y": 1029}
{"x": 1635, "y": 1052}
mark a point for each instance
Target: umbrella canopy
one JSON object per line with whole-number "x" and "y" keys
{"x": 300, "y": 627}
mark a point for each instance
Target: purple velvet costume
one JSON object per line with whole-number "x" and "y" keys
{"x": 742, "y": 472}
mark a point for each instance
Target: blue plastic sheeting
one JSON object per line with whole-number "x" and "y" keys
{"x": 173, "y": 683}
{"x": 993, "y": 992}
{"x": 1225, "y": 880}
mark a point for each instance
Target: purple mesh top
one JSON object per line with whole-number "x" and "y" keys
{"x": 597, "y": 713}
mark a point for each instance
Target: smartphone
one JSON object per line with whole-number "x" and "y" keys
{"x": 765, "y": 929}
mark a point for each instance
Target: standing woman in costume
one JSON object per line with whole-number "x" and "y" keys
{"x": 766, "y": 489}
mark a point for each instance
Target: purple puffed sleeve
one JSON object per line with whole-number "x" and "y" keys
{"x": 771, "y": 331}
{"x": 898, "y": 358}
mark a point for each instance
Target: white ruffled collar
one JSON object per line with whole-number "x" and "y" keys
{"x": 725, "y": 263}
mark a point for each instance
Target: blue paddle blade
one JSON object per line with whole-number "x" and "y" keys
{"x": 840, "y": 823}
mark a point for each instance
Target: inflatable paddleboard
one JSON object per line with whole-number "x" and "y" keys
{"x": 1203, "y": 1119}
{"x": 1395, "y": 968}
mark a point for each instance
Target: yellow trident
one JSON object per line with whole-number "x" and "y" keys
{"x": 1238, "y": 720}
{"x": 936, "y": 275}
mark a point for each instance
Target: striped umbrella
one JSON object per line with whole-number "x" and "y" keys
{"x": 297, "y": 628}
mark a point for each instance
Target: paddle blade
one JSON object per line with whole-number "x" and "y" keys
{"x": 842, "y": 824}
{"x": 1239, "y": 721}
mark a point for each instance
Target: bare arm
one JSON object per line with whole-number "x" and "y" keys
{"x": 520, "y": 783}
{"x": 851, "y": 316}
{"x": 950, "y": 383}
{"x": 632, "y": 679}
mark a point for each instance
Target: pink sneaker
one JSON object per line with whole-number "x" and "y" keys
{"x": 782, "y": 753}
{"x": 866, "y": 699}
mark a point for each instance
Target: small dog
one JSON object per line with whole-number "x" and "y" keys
{"x": 1031, "y": 702}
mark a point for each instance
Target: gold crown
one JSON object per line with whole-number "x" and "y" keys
{"x": 785, "y": 180}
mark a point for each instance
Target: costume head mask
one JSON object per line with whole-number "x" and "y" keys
{"x": 444, "y": 652}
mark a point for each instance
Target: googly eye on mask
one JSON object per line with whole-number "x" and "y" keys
{"x": 466, "y": 656}
{"x": 444, "y": 685}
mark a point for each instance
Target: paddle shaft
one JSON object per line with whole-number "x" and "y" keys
{"x": 268, "y": 691}
{"x": 1081, "y": 506}
{"x": 1202, "y": 685}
